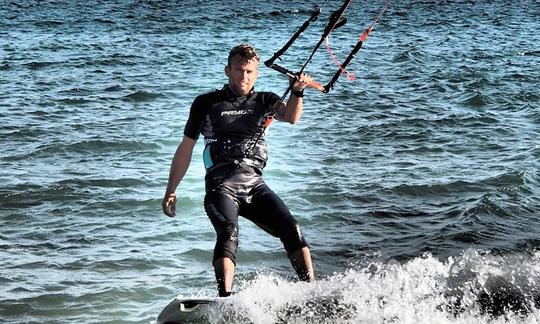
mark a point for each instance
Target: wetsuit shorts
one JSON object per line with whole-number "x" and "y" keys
{"x": 246, "y": 194}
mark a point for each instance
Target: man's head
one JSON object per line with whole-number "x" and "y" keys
{"x": 242, "y": 68}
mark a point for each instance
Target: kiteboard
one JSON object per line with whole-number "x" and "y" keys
{"x": 189, "y": 310}
{"x": 310, "y": 309}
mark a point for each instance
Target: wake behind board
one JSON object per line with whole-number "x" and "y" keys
{"x": 189, "y": 310}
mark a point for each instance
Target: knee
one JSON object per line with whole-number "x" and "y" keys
{"x": 293, "y": 239}
{"x": 227, "y": 242}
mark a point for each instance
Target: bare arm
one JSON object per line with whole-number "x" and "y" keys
{"x": 292, "y": 111}
{"x": 179, "y": 167}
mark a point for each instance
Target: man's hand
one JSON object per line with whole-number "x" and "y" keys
{"x": 169, "y": 204}
{"x": 301, "y": 82}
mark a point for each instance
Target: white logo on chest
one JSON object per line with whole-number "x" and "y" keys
{"x": 234, "y": 112}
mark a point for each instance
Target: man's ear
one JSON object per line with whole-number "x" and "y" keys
{"x": 228, "y": 71}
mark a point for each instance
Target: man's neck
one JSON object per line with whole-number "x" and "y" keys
{"x": 236, "y": 94}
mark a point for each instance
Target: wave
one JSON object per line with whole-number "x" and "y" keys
{"x": 73, "y": 101}
{"x": 529, "y": 52}
{"x": 49, "y": 23}
{"x": 504, "y": 182}
{"x": 141, "y": 96}
{"x": 104, "y": 21}
{"x": 25, "y": 196}
{"x": 18, "y": 133}
{"x": 64, "y": 192}
{"x": 36, "y": 65}
{"x": 90, "y": 146}
{"x": 113, "y": 88}
{"x": 476, "y": 100}
{"x": 473, "y": 288}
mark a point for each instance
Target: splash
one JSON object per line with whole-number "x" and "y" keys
{"x": 476, "y": 287}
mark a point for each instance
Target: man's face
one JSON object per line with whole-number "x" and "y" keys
{"x": 242, "y": 74}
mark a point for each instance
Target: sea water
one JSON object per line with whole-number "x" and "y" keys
{"x": 416, "y": 184}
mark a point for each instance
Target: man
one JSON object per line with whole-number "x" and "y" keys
{"x": 231, "y": 120}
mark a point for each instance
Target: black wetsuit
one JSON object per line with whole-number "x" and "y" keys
{"x": 234, "y": 166}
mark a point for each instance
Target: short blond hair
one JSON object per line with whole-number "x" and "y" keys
{"x": 245, "y": 51}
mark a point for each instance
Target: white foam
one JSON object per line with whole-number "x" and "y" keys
{"x": 422, "y": 290}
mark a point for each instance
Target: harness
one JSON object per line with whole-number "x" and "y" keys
{"x": 219, "y": 152}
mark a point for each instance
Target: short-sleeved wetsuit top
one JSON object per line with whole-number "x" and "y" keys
{"x": 230, "y": 124}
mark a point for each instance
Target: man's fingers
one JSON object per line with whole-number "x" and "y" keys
{"x": 169, "y": 206}
{"x": 172, "y": 207}
{"x": 304, "y": 80}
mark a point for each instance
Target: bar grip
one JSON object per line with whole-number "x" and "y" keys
{"x": 314, "y": 84}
